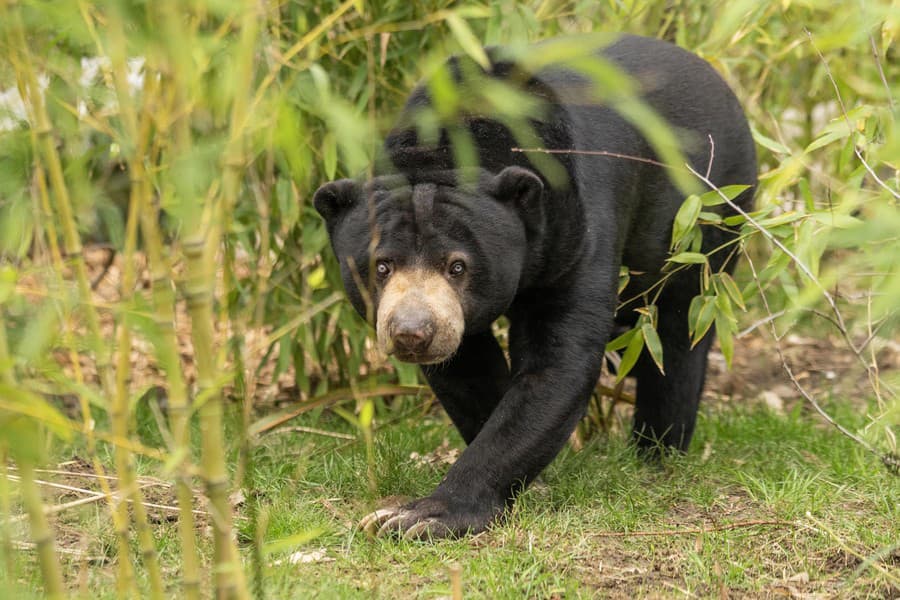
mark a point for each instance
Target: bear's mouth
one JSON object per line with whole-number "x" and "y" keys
{"x": 420, "y": 318}
{"x": 422, "y": 359}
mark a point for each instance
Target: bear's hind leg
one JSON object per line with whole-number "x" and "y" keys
{"x": 666, "y": 407}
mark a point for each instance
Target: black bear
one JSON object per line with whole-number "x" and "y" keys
{"x": 433, "y": 253}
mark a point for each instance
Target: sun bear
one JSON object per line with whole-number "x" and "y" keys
{"x": 526, "y": 203}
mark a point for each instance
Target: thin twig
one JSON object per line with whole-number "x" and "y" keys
{"x": 144, "y": 481}
{"x": 93, "y": 496}
{"x": 787, "y": 369}
{"x": 884, "y": 81}
{"x": 615, "y": 393}
{"x": 760, "y": 323}
{"x": 712, "y": 154}
{"x": 299, "y": 429}
{"x": 874, "y": 377}
{"x": 595, "y": 153}
{"x": 21, "y": 545}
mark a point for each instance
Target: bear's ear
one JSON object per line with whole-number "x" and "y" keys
{"x": 515, "y": 184}
{"x": 524, "y": 189}
{"x": 335, "y": 197}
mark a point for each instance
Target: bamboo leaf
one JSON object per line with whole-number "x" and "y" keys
{"x": 630, "y": 356}
{"x": 689, "y": 258}
{"x": 694, "y": 312}
{"x": 624, "y": 278}
{"x": 621, "y": 341}
{"x": 467, "y": 40}
{"x": 806, "y": 193}
{"x": 24, "y": 403}
{"x": 825, "y": 139}
{"x": 8, "y": 277}
{"x": 653, "y": 344}
{"x": 716, "y": 197}
{"x": 782, "y": 219}
{"x": 685, "y": 218}
{"x": 21, "y": 437}
{"x": 769, "y": 143}
{"x": 710, "y": 218}
{"x": 725, "y": 334}
{"x": 288, "y": 203}
{"x": 723, "y": 308}
{"x": 292, "y": 541}
{"x": 703, "y": 320}
{"x": 648, "y": 313}
{"x": 329, "y": 154}
{"x": 734, "y": 220}
{"x": 730, "y": 288}
{"x": 838, "y": 221}
{"x": 40, "y": 332}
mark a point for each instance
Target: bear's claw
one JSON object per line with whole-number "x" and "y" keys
{"x": 423, "y": 519}
{"x": 424, "y": 529}
{"x": 404, "y": 523}
{"x": 375, "y": 519}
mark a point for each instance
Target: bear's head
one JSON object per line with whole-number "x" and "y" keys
{"x": 430, "y": 259}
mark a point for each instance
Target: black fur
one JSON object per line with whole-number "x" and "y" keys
{"x": 547, "y": 255}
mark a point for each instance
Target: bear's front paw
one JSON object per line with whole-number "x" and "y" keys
{"x": 428, "y": 518}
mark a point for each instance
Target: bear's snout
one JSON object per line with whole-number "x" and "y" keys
{"x": 420, "y": 318}
{"x": 412, "y": 332}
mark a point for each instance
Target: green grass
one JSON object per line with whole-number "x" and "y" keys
{"x": 833, "y": 517}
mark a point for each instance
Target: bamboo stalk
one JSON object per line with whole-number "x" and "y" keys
{"x": 120, "y": 414}
{"x": 120, "y": 523}
{"x": 245, "y": 474}
{"x": 230, "y": 580}
{"x": 246, "y": 467}
{"x": 138, "y": 135}
{"x": 198, "y": 291}
{"x": 6, "y": 517}
{"x": 204, "y": 227}
{"x": 41, "y": 534}
{"x": 179, "y": 409}
{"x": 234, "y": 166}
{"x": 45, "y": 148}
{"x": 6, "y": 375}
{"x": 163, "y": 299}
{"x": 119, "y": 515}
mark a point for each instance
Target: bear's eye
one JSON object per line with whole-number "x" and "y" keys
{"x": 457, "y": 268}
{"x": 383, "y": 268}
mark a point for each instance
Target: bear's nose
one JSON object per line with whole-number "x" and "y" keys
{"x": 412, "y": 333}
